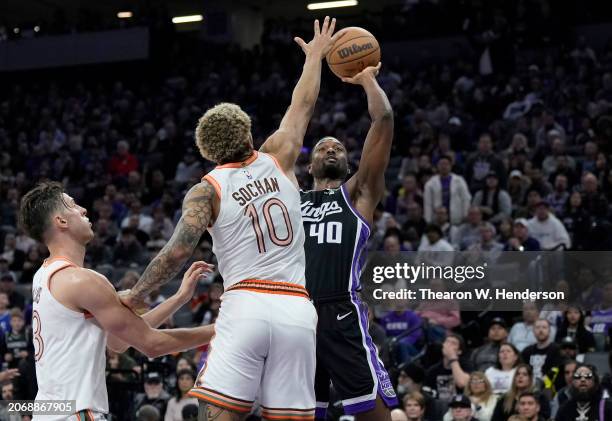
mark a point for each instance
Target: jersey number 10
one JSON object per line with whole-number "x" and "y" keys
{"x": 330, "y": 232}
{"x": 251, "y": 212}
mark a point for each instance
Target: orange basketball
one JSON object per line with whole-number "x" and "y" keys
{"x": 354, "y": 50}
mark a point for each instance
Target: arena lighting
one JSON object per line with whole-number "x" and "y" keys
{"x": 332, "y": 4}
{"x": 37, "y": 28}
{"x": 124, "y": 15}
{"x": 187, "y": 19}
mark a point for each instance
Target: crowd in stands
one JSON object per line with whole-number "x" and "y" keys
{"x": 519, "y": 160}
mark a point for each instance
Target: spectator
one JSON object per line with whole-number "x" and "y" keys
{"x": 410, "y": 379}
{"x": 442, "y": 315}
{"x": 414, "y": 227}
{"x": 502, "y": 373}
{"x": 559, "y": 197}
{"x": 433, "y": 244}
{"x": 449, "y": 376}
{"x": 517, "y": 188}
{"x": 8, "y": 395}
{"x": 521, "y": 240}
{"x": 154, "y": 395}
{"x": 573, "y": 326}
{"x": 461, "y": 409}
{"x": 564, "y": 394}
{"x": 148, "y": 413}
{"x": 523, "y": 381}
{"x": 550, "y": 164}
{"x": 414, "y": 406}
{"x": 128, "y": 250}
{"x": 487, "y": 248}
{"x": 5, "y": 314}
{"x": 123, "y": 162}
{"x": 7, "y": 285}
{"x": 398, "y": 322}
{"x": 590, "y": 295}
{"x": 529, "y": 407}
{"x": 190, "y": 412}
{"x": 487, "y": 355}
{"x": 162, "y": 223}
{"x": 480, "y": 393}
{"x": 482, "y": 163}
{"x": 521, "y": 334}
{"x": 544, "y": 355}
{"x": 494, "y": 202}
{"x": 185, "y": 381}
{"x": 16, "y": 342}
{"x": 586, "y": 401}
{"x": 407, "y": 193}
{"x": 547, "y": 229}
{"x": 33, "y": 262}
{"x": 593, "y": 201}
{"x": 449, "y": 190}
{"x": 577, "y": 221}
{"x": 119, "y": 366}
{"x": 14, "y": 256}
{"x": 601, "y": 315}
{"x": 441, "y": 219}
{"x": 188, "y": 169}
{"x": 469, "y": 232}
{"x": 144, "y": 221}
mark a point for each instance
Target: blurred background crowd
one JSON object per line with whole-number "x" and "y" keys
{"x": 506, "y": 148}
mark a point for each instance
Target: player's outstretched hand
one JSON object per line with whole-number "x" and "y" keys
{"x": 322, "y": 40}
{"x": 196, "y": 271}
{"x": 369, "y": 72}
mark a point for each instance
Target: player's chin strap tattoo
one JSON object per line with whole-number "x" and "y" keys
{"x": 197, "y": 213}
{"x": 207, "y": 412}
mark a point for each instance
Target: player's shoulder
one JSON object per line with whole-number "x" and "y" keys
{"x": 203, "y": 189}
{"x": 82, "y": 277}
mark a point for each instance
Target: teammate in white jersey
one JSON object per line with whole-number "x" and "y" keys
{"x": 265, "y": 332}
{"x": 74, "y": 308}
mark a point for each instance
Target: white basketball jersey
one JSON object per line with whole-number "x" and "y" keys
{"x": 70, "y": 350}
{"x": 258, "y": 233}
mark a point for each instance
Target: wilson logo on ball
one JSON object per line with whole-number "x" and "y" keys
{"x": 354, "y": 49}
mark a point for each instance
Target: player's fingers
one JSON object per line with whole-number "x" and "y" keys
{"x": 325, "y": 25}
{"x": 299, "y": 41}
{"x": 337, "y": 36}
{"x": 317, "y": 30}
{"x": 332, "y": 27}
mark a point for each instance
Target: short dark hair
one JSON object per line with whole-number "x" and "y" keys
{"x": 36, "y": 208}
{"x": 534, "y": 395}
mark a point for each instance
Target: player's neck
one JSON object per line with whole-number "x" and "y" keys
{"x": 326, "y": 183}
{"x": 67, "y": 249}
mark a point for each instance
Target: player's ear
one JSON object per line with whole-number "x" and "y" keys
{"x": 310, "y": 169}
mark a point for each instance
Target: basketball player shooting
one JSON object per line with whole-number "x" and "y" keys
{"x": 74, "y": 308}
{"x": 337, "y": 217}
{"x": 250, "y": 203}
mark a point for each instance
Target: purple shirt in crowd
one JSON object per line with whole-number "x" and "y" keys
{"x": 396, "y": 323}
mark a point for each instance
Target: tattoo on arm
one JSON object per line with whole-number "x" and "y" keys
{"x": 207, "y": 412}
{"x": 197, "y": 214}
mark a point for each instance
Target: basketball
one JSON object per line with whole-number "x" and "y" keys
{"x": 354, "y": 50}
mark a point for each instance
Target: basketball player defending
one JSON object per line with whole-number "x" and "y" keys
{"x": 337, "y": 217}
{"x": 69, "y": 344}
{"x": 250, "y": 203}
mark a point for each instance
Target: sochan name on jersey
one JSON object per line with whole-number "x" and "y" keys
{"x": 354, "y": 49}
{"x": 313, "y": 214}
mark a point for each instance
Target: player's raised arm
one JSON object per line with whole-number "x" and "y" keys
{"x": 93, "y": 293}
{"x": 367, "y": 186}
{"x": 285, "y": 144}
{"x": 163, "y": 311}
{"x": 197, "y": 215}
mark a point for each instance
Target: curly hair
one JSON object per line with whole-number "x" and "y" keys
{"x": 223, "y": 132}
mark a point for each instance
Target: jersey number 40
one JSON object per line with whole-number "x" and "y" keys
{"x": 327, "y": 232}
